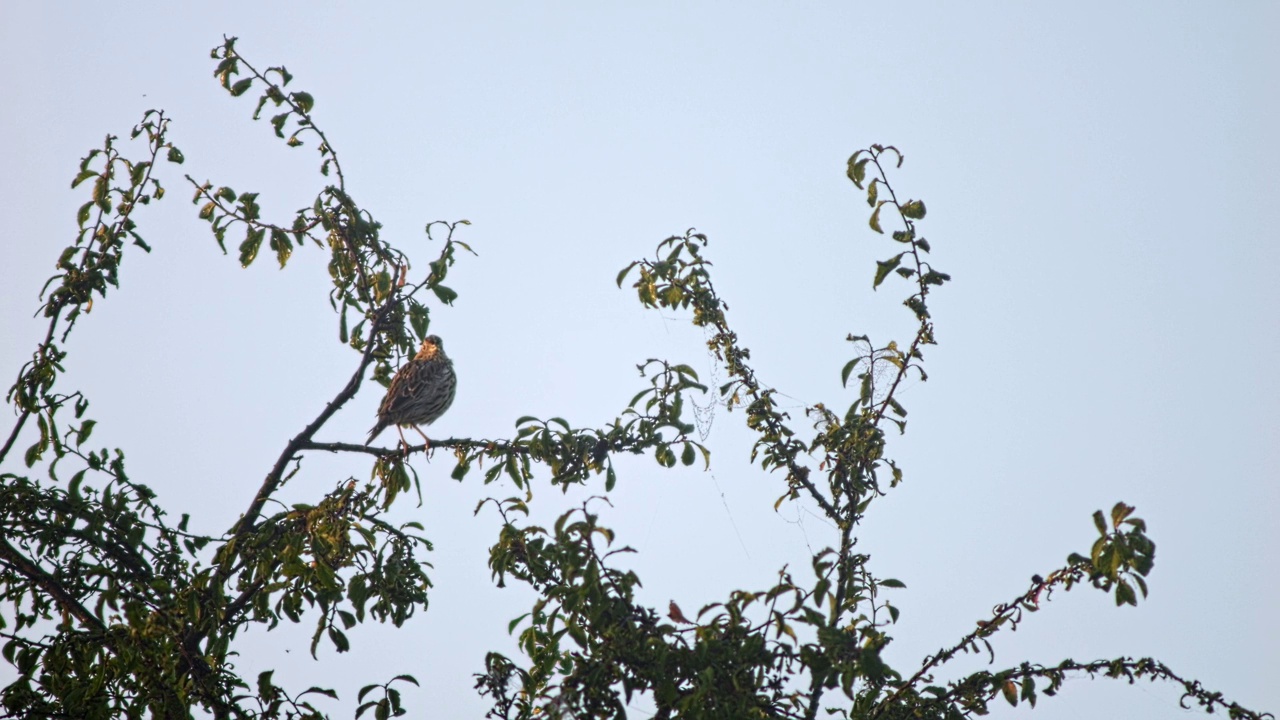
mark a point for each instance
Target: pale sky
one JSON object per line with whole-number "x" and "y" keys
{"x": 1100, "y": 183}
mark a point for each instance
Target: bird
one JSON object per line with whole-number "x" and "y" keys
{"x": 673, "y": 612}
{"x": 420, "y": 392}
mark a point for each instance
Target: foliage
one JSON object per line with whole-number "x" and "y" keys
{"x": 109, "y": 608}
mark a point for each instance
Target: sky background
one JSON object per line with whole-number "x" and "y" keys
{"x": 1100, "y": 184}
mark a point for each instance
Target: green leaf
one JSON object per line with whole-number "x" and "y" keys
{"x": 339, "y": 640}
{"x": 249, "y": 248}
{"x": 419, "y": 318}
{"x": 241, "y": 87}
{"x": 513, "y": 472}
{"x": 665, "y": 457}
{"x": 893, "y": 583}
{"x": 84, "y": 175}
{"x": 320, "y": 691}
{"x": 846, "y": 370}
{"x": 138, "y": 173}
{"x": 883, "y": 268}
{"x": 913, "y": 209}
{"x": 175, "y": 156}
{"x": 511, "y": 626}
{"x": 264, "y": 683}
{"x": 304, "y": 100}
{"x": 460, "y": 471}
{"x": 1100, "y": 522}
{"x": 1119, "y": 512}
{"x": 73, "y": 488}
{"x": 83, "y": 433}
{"x": 101, "y": 188}
{"x": 1125, "y": 594}
{"x": 622, "y": 275}
{"x": 685, "y": 370}
{"x": 875, "y": 219}
{"x": 446, "y": 295}
{"x": 897, "y": 409}
{"x": 282, "y": 246}
{"x": 688, "y": 456}
{"x": 857, "y": 170}
{"x": 934, "y": 277}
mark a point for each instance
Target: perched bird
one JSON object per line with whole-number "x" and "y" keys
{"x": 673, "y": 612}
{"x": 419, "y": 393}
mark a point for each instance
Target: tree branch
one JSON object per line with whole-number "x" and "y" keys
{"x": 33, "y": 572}
{"x": 986, "y": 628}
{"x": 272, "y": 482}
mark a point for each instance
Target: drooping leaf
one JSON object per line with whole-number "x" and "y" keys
{"x": 884, "y": 267}
{"x": 846, "y": 370}
{"x": 282, "y": 246}
{"x": 446, "y": 295}
{"x": 875, "y": 219}
{"x": 304, "y": 100}
{"x": 249, "y": 248}
{"x": 857, "y": 170}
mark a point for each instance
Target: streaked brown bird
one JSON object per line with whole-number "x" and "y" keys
{"x": 420, "y": 392}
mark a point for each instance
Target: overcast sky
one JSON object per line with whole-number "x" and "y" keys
{"x": 1101, "y": 185}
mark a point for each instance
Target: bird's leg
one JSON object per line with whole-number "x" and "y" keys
{"x": 404, "y": 444}
{"x": 425, "y": 439}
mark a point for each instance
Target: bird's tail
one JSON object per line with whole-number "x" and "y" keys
{"x": 374, "y": 432}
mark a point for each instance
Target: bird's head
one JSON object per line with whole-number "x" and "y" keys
{"x": 431, "y": 346}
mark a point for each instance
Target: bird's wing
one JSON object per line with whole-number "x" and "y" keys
{"x": 412, "y": 382}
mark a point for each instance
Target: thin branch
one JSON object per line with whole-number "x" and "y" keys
{"x": 326, "y": 148}
{"x": 13, "y": 436}
{"x": 467, "y": 443}
{"x": 272, "y": 481}
{"x": 114, "y": 230}
{"x": 33, "y": 572}
{"x": 925, "y": 326}
{"x": 1000, "y": 614}
{"x": 1124, "y": 667}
